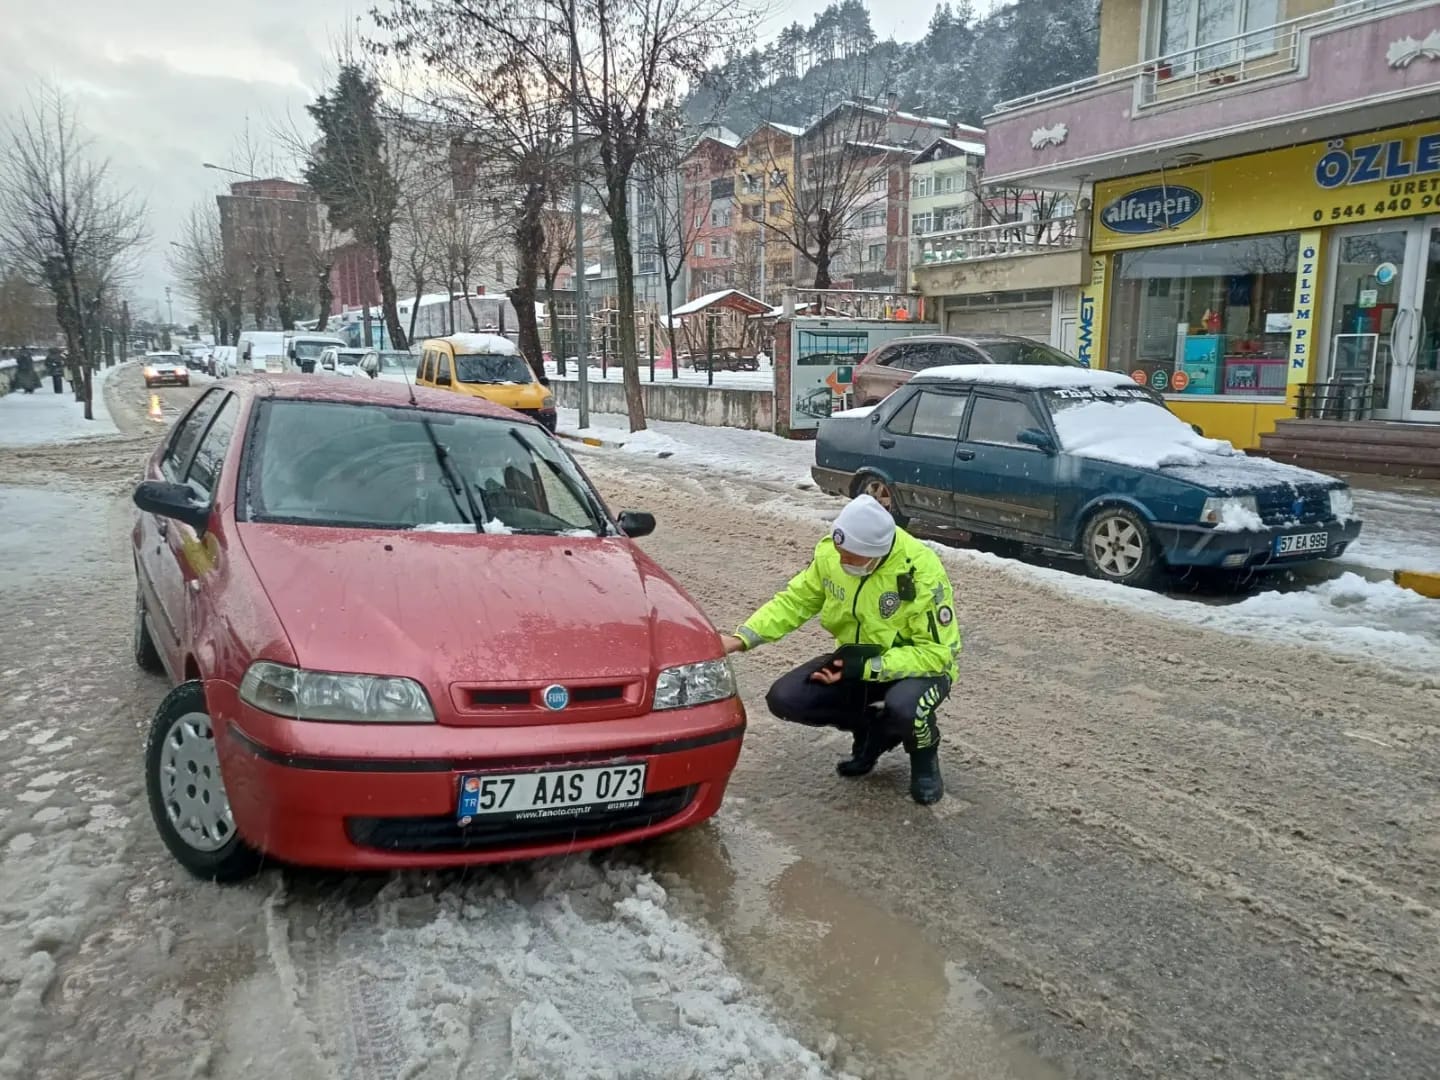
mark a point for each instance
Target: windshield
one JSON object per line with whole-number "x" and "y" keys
{"x": 492, "y": 368}
{"x": 1028, "y": 352}
{"x": 311, "y": 350}
{"x": 369, "y": 466}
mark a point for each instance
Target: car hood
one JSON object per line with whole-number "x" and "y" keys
{"x": 448, "y": 607}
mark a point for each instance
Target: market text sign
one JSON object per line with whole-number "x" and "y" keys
{"x": 1379, "y": 175}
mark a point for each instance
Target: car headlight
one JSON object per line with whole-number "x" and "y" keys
{"x": 320, "y": 695}
{"x": 1234, "y": 511}
{"x": 1342, "y": 504}
{"x": 547, "y": 402}
{"x": 150, "y": 373}
{"x": 694, "y": 684}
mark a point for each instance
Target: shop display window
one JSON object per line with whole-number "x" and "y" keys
{"x": 1206, "y": 318}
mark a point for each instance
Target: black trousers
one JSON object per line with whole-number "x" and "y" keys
{"x": 908, "y": 715}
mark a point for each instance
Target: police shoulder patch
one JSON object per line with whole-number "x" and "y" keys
{"x": 945, "y": 615}
{"x": 889, "y": 604}
{"x": 838, "y": 536}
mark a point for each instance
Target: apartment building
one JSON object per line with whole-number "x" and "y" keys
{"x": 763, "y": 262}
{"x": 708, "y": 178}
{"x": 1266, "y": 211}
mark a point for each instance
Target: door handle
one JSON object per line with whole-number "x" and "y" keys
{"x": 1395, "y": 355}
{"x": 964, "y": 455}
{"x": 886, "y": 442}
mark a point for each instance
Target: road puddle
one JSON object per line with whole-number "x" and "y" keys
{"x": 882, "y": 1000}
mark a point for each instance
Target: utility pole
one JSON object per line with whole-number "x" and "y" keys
{"x": 124, "y": 330}
{"x": 169, "y": 305}
{"x": 582, "y": 349}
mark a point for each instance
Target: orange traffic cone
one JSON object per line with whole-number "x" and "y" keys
{"x": 155, "y": 413}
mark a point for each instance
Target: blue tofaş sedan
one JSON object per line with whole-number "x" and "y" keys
{"x": 1084, "y": 463}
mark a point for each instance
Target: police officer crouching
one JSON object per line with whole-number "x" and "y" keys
{"x": 889, "y": 604}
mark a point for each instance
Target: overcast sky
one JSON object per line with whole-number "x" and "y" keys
{"x": 164, "y": 85}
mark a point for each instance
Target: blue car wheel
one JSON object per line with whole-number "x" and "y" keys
{"x": 1118, "y": 546}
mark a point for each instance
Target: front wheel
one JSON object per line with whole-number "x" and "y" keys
{"x": 880, "y": 490}
{"x": 187, "y": 793}
{"x": 1118, "y": 546}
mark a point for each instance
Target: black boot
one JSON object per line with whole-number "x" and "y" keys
{"x": 865, "y": 751}
{"x": 926, "y": 784}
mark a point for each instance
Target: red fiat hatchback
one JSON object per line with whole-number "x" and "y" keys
{"x": 406, "y": 632}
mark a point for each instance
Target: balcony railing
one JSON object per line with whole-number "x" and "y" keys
{"x": 1257, "y": 54}
{"x": 1041, "y": 237}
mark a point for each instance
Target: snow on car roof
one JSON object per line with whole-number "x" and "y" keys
{"x": 1025, "y": 376}
{"x": 482, "y": 343}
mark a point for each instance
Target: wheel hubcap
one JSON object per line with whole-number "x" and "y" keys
{"x": 880, "y": 492}
{"x": 1117, "y": 546}
{"x": 190, "y": 784}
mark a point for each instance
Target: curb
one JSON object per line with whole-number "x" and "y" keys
{"x": 608, "y": 444}
{"x": 1423, "y": 582}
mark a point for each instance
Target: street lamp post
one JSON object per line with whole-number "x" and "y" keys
{"x": 222, "y": 168}
{"x": 582, "y": 337}
{"x": 170, "y": 306}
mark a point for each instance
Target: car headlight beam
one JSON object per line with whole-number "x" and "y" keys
{"x": 694, "y": 684}
{"x": 334, "y": 697}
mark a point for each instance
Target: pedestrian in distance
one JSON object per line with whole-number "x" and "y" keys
{"x": 886, "y": 599}
{"x": 25, "y": 377}
{"x": 55, "y": 368}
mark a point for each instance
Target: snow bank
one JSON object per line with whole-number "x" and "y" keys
{"x": 48, "y": 417}
{"x": 568, "y": 967}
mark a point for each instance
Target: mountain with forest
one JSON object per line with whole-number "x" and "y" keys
{"x": 961, "y": 67}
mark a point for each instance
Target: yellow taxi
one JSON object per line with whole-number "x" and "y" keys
{"x": 487, "y": 366}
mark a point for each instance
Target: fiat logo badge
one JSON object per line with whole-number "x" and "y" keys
{"x": 555, "y": 697}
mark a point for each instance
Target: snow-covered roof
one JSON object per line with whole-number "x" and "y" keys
{"x": 966, "y": 146}
{"x": 1026, "y": 376}
{"x": 730, "y": 298}
{"x": 482, "y": 343}
{"x": 786, "y": 129}
{"x": 879, "y": 147}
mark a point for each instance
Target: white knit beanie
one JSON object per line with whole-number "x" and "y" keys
{"x": 864, "y": 528}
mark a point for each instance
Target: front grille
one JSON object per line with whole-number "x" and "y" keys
{"x": 443, "y": 834}
{"x": 592, "y": 702}
{"x": 1277, "y": 505}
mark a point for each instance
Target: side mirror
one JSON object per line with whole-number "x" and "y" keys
{"x": 636, "y": 523}
{"x": 1041, "y": 440}
{"x": 175, "y": 501}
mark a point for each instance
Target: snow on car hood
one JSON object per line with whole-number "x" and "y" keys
{"x": 446, "y": 607}
{"x": 1145, "y": 436}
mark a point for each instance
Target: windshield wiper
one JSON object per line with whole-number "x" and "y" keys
{"x": 456, "y": 482}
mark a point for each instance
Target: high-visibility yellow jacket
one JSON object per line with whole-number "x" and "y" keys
{"x": 906, "y": 606}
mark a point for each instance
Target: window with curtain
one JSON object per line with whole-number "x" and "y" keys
{"x": 1183, "y": 25}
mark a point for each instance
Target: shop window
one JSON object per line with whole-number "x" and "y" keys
{"x": 1205, "y": 318}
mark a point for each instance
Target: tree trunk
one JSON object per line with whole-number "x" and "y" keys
{"x": 284, "y": 299}
{"x": 389, "y": 304}
{"x": 470, "y": 304}
{"x": 415, "y": 308}
{"x": 88, "y": 385}
{"x": 625, "y": 275}
{"x": 670, "y": 329}
{"x": 326, "y": 300}
{"x": 529, "y": 242}
{"x": 823, "y": 240}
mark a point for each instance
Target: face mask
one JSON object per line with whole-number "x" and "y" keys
{"x": 863, "y": 570}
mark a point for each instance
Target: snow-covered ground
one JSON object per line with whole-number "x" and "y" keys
{"x": 1349, "y": 614}
{"x": 48, "y": 417}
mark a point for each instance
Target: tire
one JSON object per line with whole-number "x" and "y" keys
{"x": 1117, "y": 546}
{"x": 181, "y": 744}
{"x": 879, "y": 489}
{"x": 147, "y": 656}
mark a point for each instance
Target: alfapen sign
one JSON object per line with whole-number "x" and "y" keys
{"x": 1151, "y": 209}
{"x": 1085, "y": 332}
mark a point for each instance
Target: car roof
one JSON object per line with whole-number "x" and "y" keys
{"x": 1025, "y": 376}
{"x": 367, "y": 392}
{"x": 478, "y": 343}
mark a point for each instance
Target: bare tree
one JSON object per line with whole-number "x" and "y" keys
{"x": 211, "y": 283}
{"x": 1038, "y": 216}
{"x": 629, "y": 55}
{"x": 65, "y": 223}
{"x": 508, "y": 131}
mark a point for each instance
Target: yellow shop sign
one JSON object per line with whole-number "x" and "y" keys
{"x": 1385, "y": 174}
